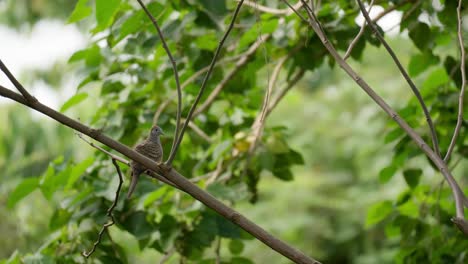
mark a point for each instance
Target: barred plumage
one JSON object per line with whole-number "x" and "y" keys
{"x": 151, "y": 147}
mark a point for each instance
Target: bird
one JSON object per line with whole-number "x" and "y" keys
{"x": 151, "y": 147}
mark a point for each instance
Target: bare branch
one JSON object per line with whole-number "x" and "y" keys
{"x": 358, "y": 36}
{"x": 176, "y": 73}
{"x": 406, "y": 76}
{"x": 203, "y": 86}
{"x": 109, "y": 212}
{"x": 458, "y": 194}
{"x": 31, "y": 99}
{"x": 171, "y": 174}
{"x": 463, "y": 85}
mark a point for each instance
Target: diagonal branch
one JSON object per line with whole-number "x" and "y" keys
{"x": 405, "y": 75}
{"x": 203, "y": 86}
{"x": 172, "y": 175}
{"x": 463, "y": 85}
{"x": 176, "y": 73}
{"x": 109, "y": 212}
{"x": 458, "y": 194}
{"x": 31, "y": 99}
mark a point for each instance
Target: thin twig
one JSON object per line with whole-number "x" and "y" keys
{"x": 406, "y": 76}
{"x": 31, "y": 99}
{"x": 203, "y": 86}
{"x": 109, "y": 212}
{"x": 458, "y": 194}
{"x": 126, "y": 162}
{"x": 218, "y": 251}
{"x": 174, "y": 68}
{"x": 462, "y": 90}
{"x": 358, "y": 36}
{"x": 120, "y": 159}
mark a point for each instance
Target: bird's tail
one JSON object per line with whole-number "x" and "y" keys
{"x": 133, "y": 184}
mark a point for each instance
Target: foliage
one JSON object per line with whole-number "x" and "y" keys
{"x": 133, "y": 76}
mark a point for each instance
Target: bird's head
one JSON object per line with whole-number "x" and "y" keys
{"x": 156, "y": 132}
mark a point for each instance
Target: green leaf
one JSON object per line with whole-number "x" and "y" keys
{"x": 26, "y": 187}
{"x": 207, "y": 42}
{"x": 421, "y": 36}
{"x": 252, "y": 34}
{"x": 81, "y": 11}
{"x": 169, "y": 230}
{"x": 421, "y": 62}
{"x": 236, "y": 247}
{"x": 378, "y": 212}
{"x": 132, "y": 25}
{"x": 412, "y": 177}
{"x": 74, "y": 100}
{"x": 295, "y": 157}
{"x": 282, "y": 171}
{"x": 393, "y": 135}
{"x": 216, "y": 7}
{"x": 437, "y": 78}
{"x": 78, "y": 170}
{"x": 387, "y": 173}
{"x": 138, "y": 225}
{"x": 409, "y": 209}
{"x": 105, "y": 10}
{"x": 59, "y": 219}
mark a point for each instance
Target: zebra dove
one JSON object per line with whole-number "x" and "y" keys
{"x": 151, "y": 148}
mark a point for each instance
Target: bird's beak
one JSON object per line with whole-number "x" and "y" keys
{"x": 162, "y": 132}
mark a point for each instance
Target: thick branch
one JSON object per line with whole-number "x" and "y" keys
{"x": 171, "y": 174}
